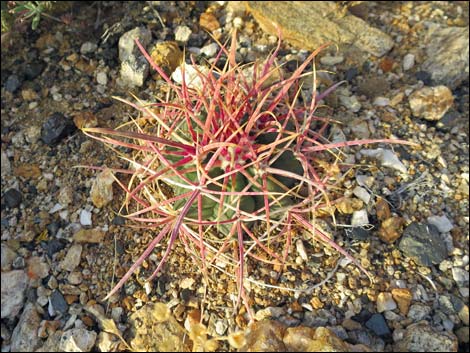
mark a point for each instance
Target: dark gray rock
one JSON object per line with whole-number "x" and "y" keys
{"x": 378, "y": 325}
{"x": 13, "y": 198}
{"x": 56, "y": 128}
{"x": 58, "y": 302}
{"x": 13, "y": 83}
{"x": 34, "y": 69}
{"x": 422, "y": 243}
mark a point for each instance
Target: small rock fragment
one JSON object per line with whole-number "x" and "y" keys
{"x": 402, "y": 297}
{"x": 77, "y": 340}
{"x": 385, "y": 302}
{"x": 391, "y": 229}
{"x": 102, "y": 189}
{"x": 182, "y": 34}
{"x": 431, "y": 103}
{"x": 72, "y": 259}
{"x": 423, "y": 244}
{"x": 14, "y": 284}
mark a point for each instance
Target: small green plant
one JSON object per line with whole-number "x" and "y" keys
{"x": 22, "y": 11}
{"x": 247, "y": 160}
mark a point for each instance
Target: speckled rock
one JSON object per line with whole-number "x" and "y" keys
{"x": 56, "y": 127}
{"x": 25, "y": 335}
{"x": 95, "y": 236}
{"x": 72, "y": 259}
{"x": 77, "y": 340}
{"x": 309, "y": 25}
{"x": 13, "y": 288}
{"x": 422, "y": 243}
{"x": 307, "y": 339}
{"x": 447, "y": 52}
{"x": 167, "y": 55}
{"x": 423, "y": 338}
{"x": 127, "y": 46}
{"x": 155, "y": 320}
{"x": 134, "y": 71}
{"x": 264, "y": 336}
{"x": 102, "y": 189}
{"x": 431, "y": 103}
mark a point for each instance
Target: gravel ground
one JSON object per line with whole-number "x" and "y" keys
{"x": 61, "y": 253}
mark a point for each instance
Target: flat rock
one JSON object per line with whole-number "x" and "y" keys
{"x": 447, "y": 54}
{"x": 422, "y": 243}
{"x": 385, "y": 302}
{"x": 403, "y": 298}
{"x": 25, "y": 335}
{"x": 13, "y": 288}
{"x": 77, "y": 340}
{"x": 423, "y": 338}
{"x": 310, "y": 24}
{"x": 72, "y": 259}
{"x": 442, "y": 223}
{"x": 7, "y": 257}
{"x": 58, "y": 302}
{"x": 89, "y": 236}
{"x": 155, "y": 320}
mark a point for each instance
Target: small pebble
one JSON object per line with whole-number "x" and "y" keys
{"x": 182, "y": 34}
{"x": 101, "y": 78}
{"x": 408, "y": 62}
{"x": 13, "y": 198}
{"x": 88, "y": 47}
{"x": 85, "y": 218}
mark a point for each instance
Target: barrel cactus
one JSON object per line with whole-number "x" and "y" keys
{"x": 232, "y": 157}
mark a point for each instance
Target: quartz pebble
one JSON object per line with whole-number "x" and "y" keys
{"x": 85, "y": 218}
{"x": 182, "y": 34}
{"x": 385, "y": 302}
{"x": 408, "y": 62}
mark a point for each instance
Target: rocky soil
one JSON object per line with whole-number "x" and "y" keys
{"x": 405, "y": 215}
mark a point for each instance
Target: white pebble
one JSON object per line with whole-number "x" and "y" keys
{"x": 182, "y": 33}
{"x": 408, "y": 62}
{"x": 210, "y": 50}
{"x": 101, "y": 78}
{"x": 362, "y": 194}
{"x": 85, "y": 218}
{"x": 386, "y": 157}
{"x": 359, "y": 218}
{"x": 88, "y": 47}
{"x": 381, "y": 101}
{"x": 238, "y": 22}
